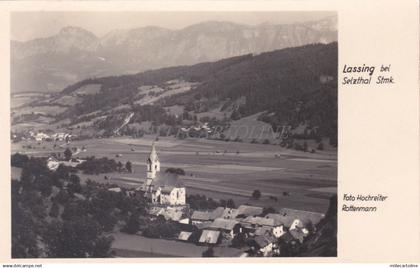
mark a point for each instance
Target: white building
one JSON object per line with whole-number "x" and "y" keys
{"x": 169, "y": 195}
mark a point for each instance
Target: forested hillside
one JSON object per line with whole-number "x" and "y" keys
{"x": 293, "y": 86}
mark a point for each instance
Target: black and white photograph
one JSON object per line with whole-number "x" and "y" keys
{"x": 163, "y": 134}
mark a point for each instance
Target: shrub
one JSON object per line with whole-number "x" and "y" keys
{"x": 256, "y": 194}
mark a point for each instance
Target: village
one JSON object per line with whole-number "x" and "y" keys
{"x": 226, "y": 230}
{"x": 239, "y": 232}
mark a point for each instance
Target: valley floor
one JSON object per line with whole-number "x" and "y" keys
{"x": 218, "y": 169}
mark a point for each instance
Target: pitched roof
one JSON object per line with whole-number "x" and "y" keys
{"x": 249, "y": 210}
{"x": 298, "y": 234}
{"x": 280, "y": 219}
{"x": 262, "y": 241}
{"x": 229, "y": 213}
{"x": 209, "y": 237}
{"x": 207, "y": 215}
{"x": 287, "y": 237}
{"x": 224, "y": 224}
{"x": 305, "y": 217}
{"x": 184, "y": 235}
{"x": 200, "y": 216}
{"x": 153, "y": 154}
{"x": 168, "y": 213}
{"x": 203, "y": 225}
{"x": 261, "y": 221}
{"x": 216, "y": 213}
{"x": 263, "y": 230}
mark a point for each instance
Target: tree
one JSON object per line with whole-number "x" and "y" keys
{"x": 128, "y": 167}
{"x": 239, "y": 241}
{"x": 230, "y": 203}
{"x": 76, "y": 238}
{"x": 55, "y": 210}
{"x": 67, "y": 154}
{"x": 268, "y": 211}
{"x": 256, "y": 194}
{"x": 177, "y": 171}
{"x": 133, "y": 225}
{"x": 119, "y": 166}
{"x": 19, "y": 160}
{"x": 320, "y": 146}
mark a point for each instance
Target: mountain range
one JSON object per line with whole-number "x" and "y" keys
{"x": 52, "y": 63}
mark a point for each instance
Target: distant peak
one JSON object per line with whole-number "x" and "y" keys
{"x": 74, "y": 30}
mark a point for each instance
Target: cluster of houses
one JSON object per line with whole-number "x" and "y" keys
{"x": 53, "y": 162}
{"x": 263, "y": 233}
{"x": 41, "y": 136}
{"x": 248, "y": 228}
{"x": 202, "y": 127}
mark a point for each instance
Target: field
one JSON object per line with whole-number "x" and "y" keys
{"x": 219, "y": 169}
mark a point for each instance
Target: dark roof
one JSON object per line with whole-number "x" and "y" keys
{"x": 305, "y": 217}
{"x": 262, "y": 241}
{"x": 287, "y": 237}
{"x": 298, "y": 234}
{"x": 280, "y": 219}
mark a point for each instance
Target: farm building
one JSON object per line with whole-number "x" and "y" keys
{"x": 245, "y": 211}
{"x": 228, "y": 227}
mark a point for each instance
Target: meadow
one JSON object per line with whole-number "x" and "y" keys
{"x": 217, "y": 169}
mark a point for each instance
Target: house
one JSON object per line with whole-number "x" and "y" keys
{"x": 278, "y": 231}
{"x": 290, "y": 222}
{"x": 245, "y": 211}
{"x": 306, "y": 217}
{"x": 184, "y": 236}
{"x": 169, "y": 195}
{"x": 264, "y": 245}
{"x": 61, "y": 136}
{"x": 299, "y": 234}
{"x": 209, "y": 237}
{"x": 229, "y": 213}
{"x": 261, "y": 225}
{"x": 169, "y": 213}
{"x": 52, "y": 163}
{"x": 115, "y": 189}
{"x": 206, "y": 216}
{"x": 199, "y": 217}
{"x": 40, "y": 136}
{"x": 227, "y": 227}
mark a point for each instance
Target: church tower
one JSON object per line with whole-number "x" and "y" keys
{"x": 153, "y": 165}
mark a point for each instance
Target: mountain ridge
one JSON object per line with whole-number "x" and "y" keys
{"x": 49, "y": 64}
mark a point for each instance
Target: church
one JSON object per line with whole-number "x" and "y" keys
{"x": 157, "y": 188}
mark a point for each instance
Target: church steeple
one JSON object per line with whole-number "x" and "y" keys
{"x": 153, "y": 164}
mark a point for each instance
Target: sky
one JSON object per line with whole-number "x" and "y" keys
{"x": 30, "y": 25}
